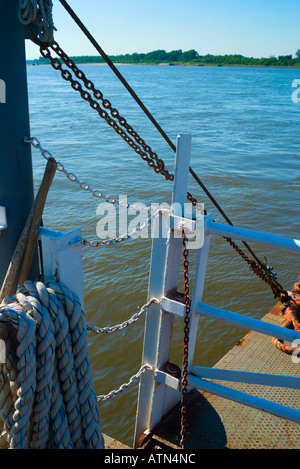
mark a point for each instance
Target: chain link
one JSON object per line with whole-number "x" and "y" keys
{"x": 123, "y": 325}
{"x": 96, "y": 193}
{"x": 124, "y": 386}
{"x": 72, "y": 176}
{"x": 184, "y": 382}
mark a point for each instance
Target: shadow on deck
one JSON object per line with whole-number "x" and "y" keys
{"x": 217, "y": 423}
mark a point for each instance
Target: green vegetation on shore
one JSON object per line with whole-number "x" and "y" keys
{"x": 191, "y": 57}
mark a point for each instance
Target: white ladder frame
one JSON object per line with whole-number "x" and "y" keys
{"x": 154, "y": 401}
{"x": 159, "y": 391}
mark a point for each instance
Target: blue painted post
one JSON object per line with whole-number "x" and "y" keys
{"x": 16, "y": 180}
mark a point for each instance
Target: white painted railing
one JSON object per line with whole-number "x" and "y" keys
{"x": 247, "y": 322}
{"x": 159, "y": 390}
{"x": 251, "y": 236}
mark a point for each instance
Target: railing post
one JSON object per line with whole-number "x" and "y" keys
{"x": 202, "y": 259}
{"x": 155, "y": 399}
{"x": 61, "y": 256}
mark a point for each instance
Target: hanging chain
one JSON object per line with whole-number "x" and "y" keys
{"x": 145, "y": 152}
{"x": 82, "y": 184}
{"x": 72, "y": 176}
{"x": 119, "y": 239}
{"x": 123, "y": 325}
{"x": 186, "y": 342}
{"x": 151, "y": 214}
{"x": 124, "y": 386}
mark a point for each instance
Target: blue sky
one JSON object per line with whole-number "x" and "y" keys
{"x": 253, "y": 28}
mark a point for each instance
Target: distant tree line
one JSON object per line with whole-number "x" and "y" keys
{"x": 190, "y": 57}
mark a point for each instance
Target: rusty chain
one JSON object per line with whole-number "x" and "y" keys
{"x": 140, "y": 147}
{"x": 262, "y": 273}
{"x": 186, "y": 342}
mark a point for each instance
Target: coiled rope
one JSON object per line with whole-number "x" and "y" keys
{"x": 47, "y": 396}
{"x": 38, "y": 13}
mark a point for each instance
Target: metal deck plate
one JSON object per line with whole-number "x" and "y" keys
{"x": 215, "y": 422}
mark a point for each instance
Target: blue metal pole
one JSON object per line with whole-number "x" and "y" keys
{"x": 16, "y": 180}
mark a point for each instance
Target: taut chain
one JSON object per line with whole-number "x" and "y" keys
{"x": 140, "y": 147}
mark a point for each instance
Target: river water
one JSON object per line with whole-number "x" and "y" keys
{"x": 245, "y": 131}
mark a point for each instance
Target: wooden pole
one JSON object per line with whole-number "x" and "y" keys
{"x": 26, "y": 244}
{"x": 37, "y": 218}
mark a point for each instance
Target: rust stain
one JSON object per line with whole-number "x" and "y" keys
{"x": 241, "y": 341}
{"x": 277, "y": 309}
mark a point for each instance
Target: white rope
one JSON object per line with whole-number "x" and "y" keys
{"x": 38, "y": 13}
{"x": 47, "y": 396}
